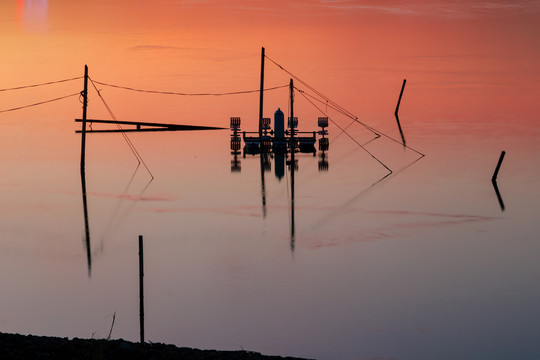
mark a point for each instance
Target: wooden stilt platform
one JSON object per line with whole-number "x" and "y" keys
{"x": 144, "y": 126}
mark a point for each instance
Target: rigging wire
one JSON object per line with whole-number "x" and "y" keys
{"x": 126, "y": 138}
{"x": 352, "y": 138}
{"x": 330, "y": 101}
{"x": 375, "y": 131}
{"x": 39, "y": 103}
{"x": 332, "y": 104}
{"x": 42, "y": 84}
{"x": 354, "y": 120}
{"x": 115, "y": 119}
{"x": 187, "y": 94}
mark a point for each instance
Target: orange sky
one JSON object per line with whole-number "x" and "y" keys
{"x": 457, "y": 57}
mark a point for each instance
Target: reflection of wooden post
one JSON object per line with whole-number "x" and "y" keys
{"x": 499, "y": 197}
{"x": 85, "y": 104}
{"x": 141, "y": 288}
{"x": 86, "y": 223}
{"x": 397, "y": 109}
{"x": 293, "y": 145}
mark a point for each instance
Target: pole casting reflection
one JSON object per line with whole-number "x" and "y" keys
{"x": 139, "y": 127}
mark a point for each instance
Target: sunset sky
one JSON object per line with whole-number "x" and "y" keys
{"x": 487, "y": 48}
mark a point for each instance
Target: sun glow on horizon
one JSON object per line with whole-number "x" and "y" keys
{"x": 33, "y": 14}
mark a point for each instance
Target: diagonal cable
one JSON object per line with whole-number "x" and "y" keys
{"x": 42, "y": 84}
{"x": 38, "y": 103}
{"x": 187, "y": 94}
{"x": 130, "y": 144}
{"x": 352, "y": 138}
{"x": 337, "y": 107}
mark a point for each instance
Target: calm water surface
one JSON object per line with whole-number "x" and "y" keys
{"x": 423, "y": 264}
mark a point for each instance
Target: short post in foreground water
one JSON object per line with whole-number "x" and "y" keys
{"x": 141, "y": 288}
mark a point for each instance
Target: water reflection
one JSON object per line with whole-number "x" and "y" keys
{"x": 293, "y": 167}
{"x": 281, "y": 146}
{"x": 499, "y": 197}
{"x": 86, "y": 222}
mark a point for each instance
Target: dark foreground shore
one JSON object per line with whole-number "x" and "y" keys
{"x": 22, "y": 347}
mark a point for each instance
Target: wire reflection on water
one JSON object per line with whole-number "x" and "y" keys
{"x": 115, "y": 220}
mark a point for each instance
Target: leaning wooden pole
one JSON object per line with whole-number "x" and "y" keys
{"x": 499, "y": 163}
{"x": 261, "y": 95}
{"x": 141, "y": 287}
{"x": 84, "y": 94}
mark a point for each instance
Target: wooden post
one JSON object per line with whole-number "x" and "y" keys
{"x": 401, "y": 94}
{"x": 85, "y": 104}
{"x": 261, "y": 93}
{"x": 291, "y": 87}
{"x": 494, "y": 177}
{"x": 141, "y": 287}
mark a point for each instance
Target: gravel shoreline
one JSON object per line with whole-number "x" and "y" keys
{"x": 22, "y": 347}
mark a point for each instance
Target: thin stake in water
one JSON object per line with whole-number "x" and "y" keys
{"x": 494, "y": 177}
{"x": 141, "y": 287}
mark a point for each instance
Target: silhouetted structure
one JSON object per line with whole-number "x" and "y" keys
{"x": 139, "y": 126}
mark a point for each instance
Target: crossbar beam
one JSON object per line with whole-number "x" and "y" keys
{"x": 138, "y": 124}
